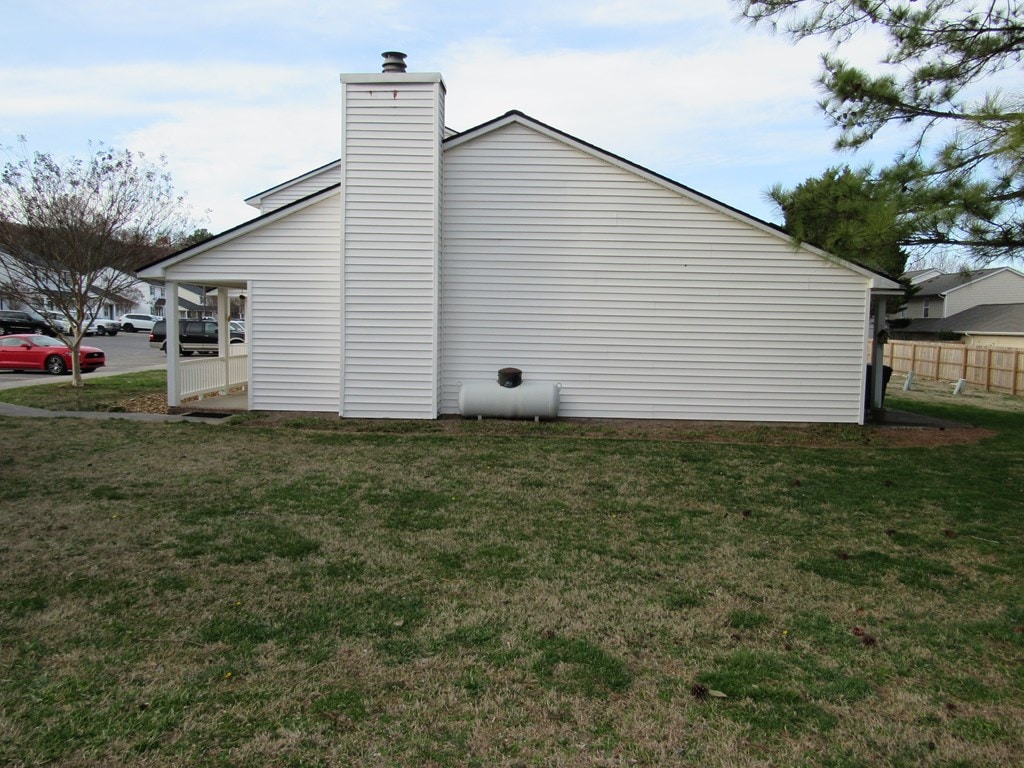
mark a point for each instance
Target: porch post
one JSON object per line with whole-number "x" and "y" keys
{"x": 224, "y": 335}
{"x": 171, "y": 317}
{"x": 878, "y": 353}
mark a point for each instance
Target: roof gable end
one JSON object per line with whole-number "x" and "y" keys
{"x": 256, "y": 200}
{"x": 154, "y": 270}
{"x": 880, "y": 283}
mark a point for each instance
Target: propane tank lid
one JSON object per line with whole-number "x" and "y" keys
{"x": 510, "y": 377}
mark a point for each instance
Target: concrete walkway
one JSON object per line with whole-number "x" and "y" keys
{"x": 22, "y": 411}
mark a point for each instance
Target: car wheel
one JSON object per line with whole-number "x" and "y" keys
{"x": 3, "y": 330}
{"x": 185, "y": 353}
{"x": 101, "y": 331}
{"x": 55, "y": 364}
{"x": 128, "y": 328}
{"x": 111, "y": 333}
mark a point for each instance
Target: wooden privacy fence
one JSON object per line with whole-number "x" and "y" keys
{"x": 994, "y": 368}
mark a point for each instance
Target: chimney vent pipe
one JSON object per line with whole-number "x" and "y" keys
{"x": 394, "y": 61}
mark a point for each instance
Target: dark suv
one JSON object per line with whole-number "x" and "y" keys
{"x": 16, "y": 321}
{"x": 193, "y": 336}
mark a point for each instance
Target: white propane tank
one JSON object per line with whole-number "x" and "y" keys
{"x": 529, "y": 400}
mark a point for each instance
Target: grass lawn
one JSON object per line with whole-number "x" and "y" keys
{"x": 334, "y": 593}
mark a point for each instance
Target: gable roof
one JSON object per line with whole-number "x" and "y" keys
{"x": 881, "y": 283}
{"x": 943, "y": 284}
{"x": 153, "y": 270}
{"x": 920, "y": 275}
{"x": 256, "y": 200}
{"x": 1006, "y": 319}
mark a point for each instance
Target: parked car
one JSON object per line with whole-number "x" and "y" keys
{"x": 132, "y": 322}
{"x": 103, "y": 326}
{"x": 193, "y": 336}
{"x": 35, "y": 352}
{"x": 17, "y": 321}
{"x": 57, "y": 321}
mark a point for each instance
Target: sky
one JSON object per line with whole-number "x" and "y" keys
{"x": 240, "y": 95}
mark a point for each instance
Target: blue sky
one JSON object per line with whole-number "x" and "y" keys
{"x": 240, "y": 95}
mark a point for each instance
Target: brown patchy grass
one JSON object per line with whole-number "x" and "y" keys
{"x": 296, "y": 592}
{"x": 933, "y": 392}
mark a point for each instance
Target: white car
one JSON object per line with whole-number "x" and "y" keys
{"x": 103, "y": 326}
{"x": 133, "y": 322}
{"x": 57, "y": 320}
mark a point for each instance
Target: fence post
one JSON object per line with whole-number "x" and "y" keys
{"x": 963, "y": 368}
{"x": 1016, "y": 368}
{"x": 913, "y": 357}
{"x": 988, "y": 369}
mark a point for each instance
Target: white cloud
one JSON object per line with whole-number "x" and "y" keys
{"x": 620, "y": 102}
{"x": 248, "y": 101}
{"x": 620, "y": 13}
{"x": 222, "y": 154}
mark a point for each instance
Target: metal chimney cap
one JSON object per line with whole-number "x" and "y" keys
{"x": 394, "y": 61}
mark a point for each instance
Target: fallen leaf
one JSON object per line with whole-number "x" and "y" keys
{"x": 717, "y": 695}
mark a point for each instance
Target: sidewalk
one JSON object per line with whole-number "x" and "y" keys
{"x": 22, "y": 411}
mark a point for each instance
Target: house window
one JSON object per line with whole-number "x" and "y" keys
{"x": 924, "y": 311}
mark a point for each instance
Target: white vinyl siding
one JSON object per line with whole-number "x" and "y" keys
{"x": 294, "y": 325}
{"x": 301, "y": 188}
{"x": 1006, "y": 287}
{"x": 642, "y": 302}
{"x": 391, "y": 151}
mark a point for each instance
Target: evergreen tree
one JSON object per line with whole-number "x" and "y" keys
{"x": 948, "y": 76}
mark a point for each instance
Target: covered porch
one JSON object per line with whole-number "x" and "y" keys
{"x": 205, "y": 381}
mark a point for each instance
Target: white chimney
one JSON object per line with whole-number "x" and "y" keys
{"x": 392, "y": 129}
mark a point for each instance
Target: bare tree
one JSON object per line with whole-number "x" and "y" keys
{"x": 72, "y": 232}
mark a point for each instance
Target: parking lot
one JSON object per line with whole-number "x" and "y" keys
{"x": 126, "y": 352}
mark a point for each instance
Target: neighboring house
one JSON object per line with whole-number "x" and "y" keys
{"x": 380, "y": 285}
{"x": 106, "y": 305}
{"x": 944, "y": 295}
{"x": 987, "y": 325}
{"x": 193, "y": 302}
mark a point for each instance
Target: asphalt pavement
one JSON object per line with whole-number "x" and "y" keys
{"x": 126, "y": 353}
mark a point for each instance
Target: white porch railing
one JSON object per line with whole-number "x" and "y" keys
{"x": 214, "y": 375}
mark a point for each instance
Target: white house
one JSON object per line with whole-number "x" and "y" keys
{"x": 424, "y": 261}
{"x": 108, "y": 306}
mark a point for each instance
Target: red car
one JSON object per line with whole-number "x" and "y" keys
{"x": 35, "y": 352}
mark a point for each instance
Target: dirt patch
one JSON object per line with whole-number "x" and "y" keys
{"x": 937, "y": 391}
{"x": 145, "y": 404}
{"x": 928, "y": 437}
{"x": 751, "y": 433}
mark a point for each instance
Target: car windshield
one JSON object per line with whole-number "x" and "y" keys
{"x": 46, "y": 341}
